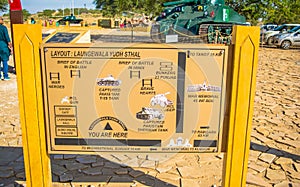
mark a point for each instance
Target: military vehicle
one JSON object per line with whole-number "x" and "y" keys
{"x": 268, "y": 37}
{"x": 204, "y": 21}
{"x": 161, "y": 99}
{"x": 149, "y": 114}
{"x": 108, "y": 81}
{"x": 71, "y": 19}
{"x": 288, "y": 39}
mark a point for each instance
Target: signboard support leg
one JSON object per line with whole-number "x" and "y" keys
{"x": 27, "y": 39}
{"x": 16, "y": 17}
{"x": 245, "y": 57}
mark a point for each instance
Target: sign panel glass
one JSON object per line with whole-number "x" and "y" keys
{"x": 134, "y": 97}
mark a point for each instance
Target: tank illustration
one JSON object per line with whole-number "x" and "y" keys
{"x": 150, "y": 114}
{"x": 196, "y": 21}
{"x": 161, "y": 99}
{"x": 108, "y": 81}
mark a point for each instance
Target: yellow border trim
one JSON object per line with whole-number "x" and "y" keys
{"x": 244, "y": 67}
{"x": 27, "y": 39}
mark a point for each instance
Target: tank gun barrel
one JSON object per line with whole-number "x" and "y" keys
{"x": 193, "y": 2}
{"x": 181, "y": 2}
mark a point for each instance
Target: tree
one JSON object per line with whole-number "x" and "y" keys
{"x": 284, "y": 11}
{"x": 273, "y": 11}
{"x": 26, "y": 14}
{"x": 109, "y": 7}
{"x": 117, "y": 7}
{"x": 3, "y": 5}
{"x": 46, "y": 13}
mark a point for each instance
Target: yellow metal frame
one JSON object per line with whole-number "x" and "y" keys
{"x": 243, "y": 81}
{"x": 27, "y": 39}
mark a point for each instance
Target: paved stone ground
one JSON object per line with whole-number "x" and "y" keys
{"x": 275, "y": 139}
{"x": 275, "y": 142}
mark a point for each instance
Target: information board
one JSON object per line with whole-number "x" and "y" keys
{"x": 134, "y": 97}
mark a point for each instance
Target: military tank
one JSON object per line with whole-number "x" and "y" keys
{"x": 108, "y": 81}
{"x": 71, "y": 19}
{"x": 149, "y": 114}
{"x": 196, "y": 21}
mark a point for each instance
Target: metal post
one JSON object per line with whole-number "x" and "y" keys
{"x": 27, "y": 39}
{"x": 131, "y": 33}
{"x": 243, "y": 81}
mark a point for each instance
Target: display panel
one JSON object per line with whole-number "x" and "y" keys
{"x": 134, "y": 97}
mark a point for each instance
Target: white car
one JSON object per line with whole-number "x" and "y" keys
{"x": 268, "y": 27}
{"x": 286, "y": 40}
{"x": 267, "y": 37}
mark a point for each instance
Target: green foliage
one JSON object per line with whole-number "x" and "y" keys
{"x": 77, "y": 11}
{"x": 113, "y": 8}
{"x": 275, "y": 11}
{"x": 271, "y": 11}
{"x": 284, "y": 11}
{"x": 26, "y": 14}
{"x": 47, "y": 13}
{"x": 3, "y": 5}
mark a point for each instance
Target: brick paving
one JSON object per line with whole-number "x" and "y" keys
{"x": 274, "y": 158}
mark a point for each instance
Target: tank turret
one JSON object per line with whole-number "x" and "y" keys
{"x": 196, "y": 21}
{"x": 71, "y": 19}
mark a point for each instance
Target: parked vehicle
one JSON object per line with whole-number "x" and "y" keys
{"x": 267, "y": 37}
{"x": 286, "y": 40}
{"x": 267, "y": 27}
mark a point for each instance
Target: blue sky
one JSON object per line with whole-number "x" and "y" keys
{"x": 34, "y": 6}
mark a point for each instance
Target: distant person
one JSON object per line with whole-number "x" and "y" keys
{"x": 125, "y": 23}
{"x": 5, "y": 50}
{"x": 32, "y": 21}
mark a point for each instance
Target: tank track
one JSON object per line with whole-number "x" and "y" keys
{"x": 210, "y": 33}
{"x": 216, "y": 33}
